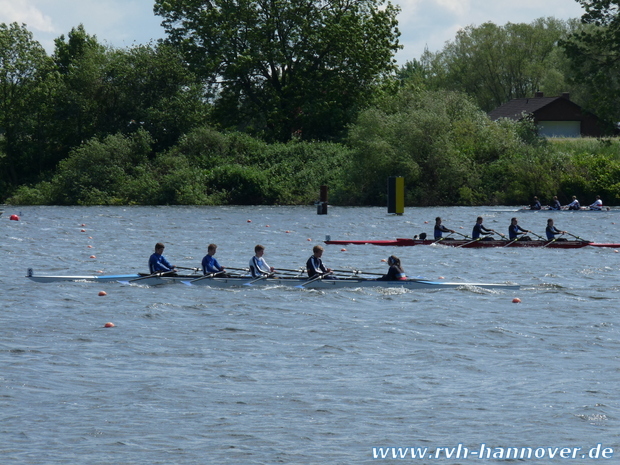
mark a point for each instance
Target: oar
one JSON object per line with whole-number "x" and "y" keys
{"x": 539, "y": 237}
{"x": 298, "y": 270}
{"x": 187, "y": 268}
{"x": 207, "y": 276}
{"x": 577, "y": 237}
{"x": 464, "y": 235}
{"x": 152, "y": 275}
{"x": 442, "y": 238}
{"x": 358, "y": 272}
{"x": 514, "y": 240}
{"x": 470, "y": 242}
{"x": 263, "y": 276}
{"x": 311, "y": 280}
{"x": 238, "y": 269}
{"x": 552, "y": 241}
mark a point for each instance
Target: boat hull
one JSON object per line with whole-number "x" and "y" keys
{"x": 236, "y": 282}
{"x": 479, "y": 244}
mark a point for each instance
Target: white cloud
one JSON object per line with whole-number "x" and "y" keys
{"x": 23, "y": 11}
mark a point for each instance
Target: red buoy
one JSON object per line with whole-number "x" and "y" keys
{"x": 109, "y": 324}
{"x": 14, "y": 218}
{"x": 516, "y": 300}
{"x": 102, "y": 293}
{"x": 92, "y": 256}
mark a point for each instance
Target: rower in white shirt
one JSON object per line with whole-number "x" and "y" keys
{"x": 598, "y": 204}
{"x": 258, "y": 265}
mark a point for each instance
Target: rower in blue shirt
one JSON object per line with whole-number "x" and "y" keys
{"x": 158, "y": 263}
{"x": 396, "y": 272}
{"x": 556, "y": 205}
{"x": 314, "y": 265}
{"x": 480, "y": 230}
{"x": 440, "y": 229}
{"x": 552, "y": 231}
{"x": 209, "y": 262}
{"x": 516, "y": 232}
{"x": 536, "y": 204}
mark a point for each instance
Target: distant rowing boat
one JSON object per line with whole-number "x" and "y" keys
{"x": 476, "y": 244}
{"x": 566, "y": 210}
{"x": 300, "y": 282}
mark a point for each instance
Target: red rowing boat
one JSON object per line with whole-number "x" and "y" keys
{"x": 478, "y": 244}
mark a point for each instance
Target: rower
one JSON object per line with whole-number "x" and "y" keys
{"x": 514, "y": 231}
{"x": 396, "y": 272}
{"x": 556, "y": 204}
{"x": 158, "y": 263}
{"x": 210, "y": 263}
{"x": 536, "y": 204}
{"x": 552, "y": 231}
{"x": 440, "y": 229}
{"x": 258, "y": 265}
{"x": 598, "y": 204}
{"x": 574, "y": 205}
{"x": 480, "y": 230}
{"x": 314, "y": 265}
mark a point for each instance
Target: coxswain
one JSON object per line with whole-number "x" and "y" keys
{"x": 258, "y": 265}
{"x": 158, "y": 263}
{"x": 598, "y": 204}
{"x": 480, "y": 230}
{"x": 516, "y": 232}
{"x": 396, "y": 272}
{"x": 552, "y": 231}
{"x": 536, "y": 204}
{"x": 440, "y": 229}
{"x": 210, "y": 263}
{"x": 574, "y": 205}
{"x": 314, "y": 265}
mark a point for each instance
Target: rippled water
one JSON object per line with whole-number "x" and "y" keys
{"x": 193, "y": 375}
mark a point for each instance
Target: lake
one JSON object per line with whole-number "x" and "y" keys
{"x": 194, "y": 375}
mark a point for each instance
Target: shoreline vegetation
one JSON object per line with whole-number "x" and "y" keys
{"x": 206, "y": 117}
{"x": 211, "y": 168}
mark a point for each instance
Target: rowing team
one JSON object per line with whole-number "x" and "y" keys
{"x": 259, "y": 267}
{"x": 574, "y": 205}
{"x": 515, "y": 232}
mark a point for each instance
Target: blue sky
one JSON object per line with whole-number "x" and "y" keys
{"x": 122, "y": 23}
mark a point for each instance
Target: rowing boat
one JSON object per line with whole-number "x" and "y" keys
{"x": 476, "y": 244}
{"x": 299, "y": 282}
{"x": 582, "y": 209}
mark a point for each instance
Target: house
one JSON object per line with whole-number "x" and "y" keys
{"x": 554, "y": 116}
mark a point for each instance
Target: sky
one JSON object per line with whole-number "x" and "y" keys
{"x": 423, "y": 23}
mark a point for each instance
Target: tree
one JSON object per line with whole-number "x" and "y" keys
{"x": 594, "y": 52}
{"x": 494, "y": 64}
{"x": 284, "y": 68}
{"x": 23, "y": 66}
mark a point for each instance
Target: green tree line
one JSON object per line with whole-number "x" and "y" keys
{"x": 264, "y": 104}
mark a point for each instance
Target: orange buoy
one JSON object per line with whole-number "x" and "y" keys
{"x": 266, "y": 225}
{"x": 90, "y": 237}
{"x": 516, "y": 300}
{"x": 14, "y": 218}
{"x": 109, "y": 324}
{"x": 249, "y": 221}
{"x": 82, "y": 225}
{"x": 383, "y": 260}
{"x": 99, "y": 271}
{"x": 441, "y": 277}
{"x": 102, "y": 293}
{"x": 343, "y": 250}
{"x": 89, "y": 246}
{"x": 92, "y": 256}
{"x": 287, "y": 232}
{"x": 83, "y": 230}
{"x": 308, "y": 239}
